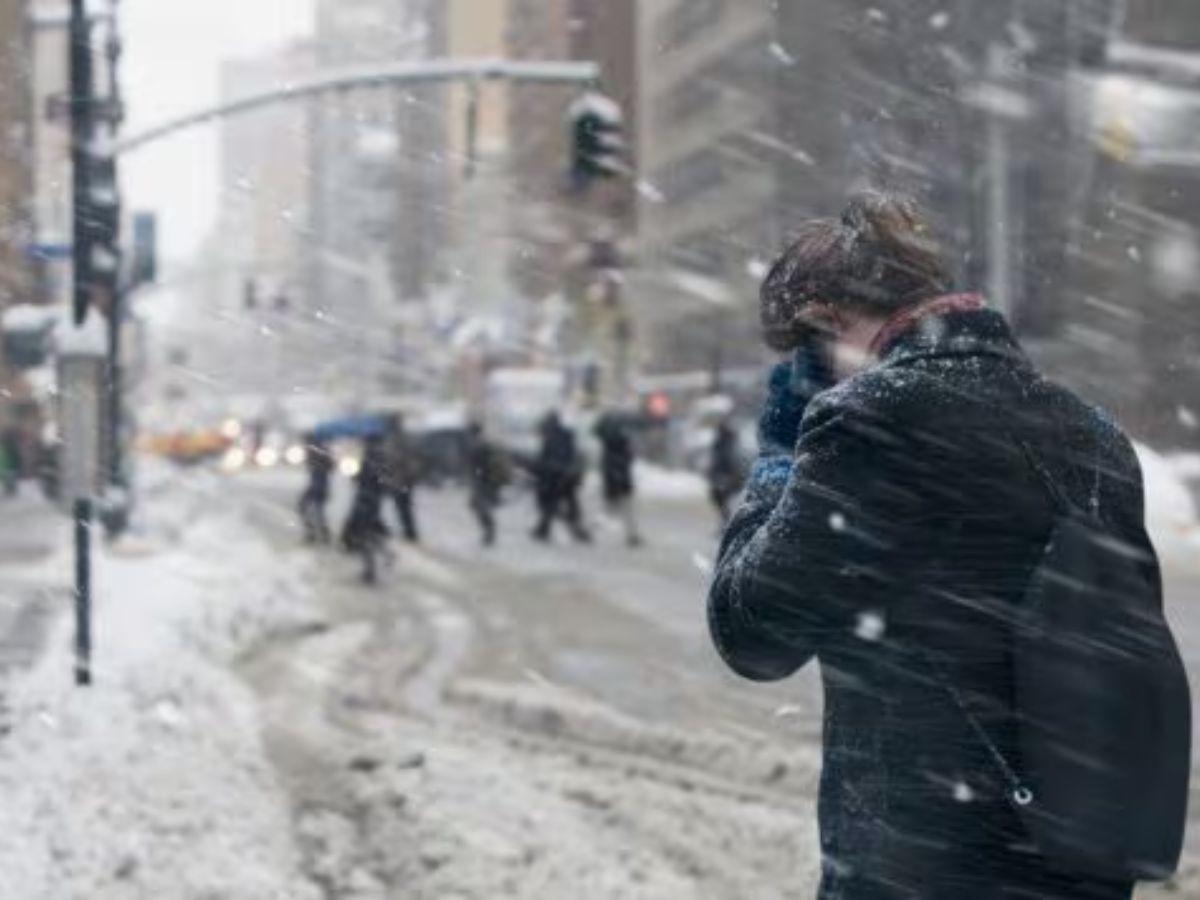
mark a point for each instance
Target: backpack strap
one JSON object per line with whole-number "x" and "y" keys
{"x": 1058, "y": 497}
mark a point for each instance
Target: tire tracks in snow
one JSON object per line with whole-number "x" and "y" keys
{"x": 408, "y": 781}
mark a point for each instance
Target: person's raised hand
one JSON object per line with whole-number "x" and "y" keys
{"x": 790, "y": 388}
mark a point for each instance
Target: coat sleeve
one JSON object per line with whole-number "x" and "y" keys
{"x": 810, "y": 551}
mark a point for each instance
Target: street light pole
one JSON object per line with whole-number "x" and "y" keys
{"x": 116, "y": 510}
{"x": 81, "y": 148}
{"x": 82, "y": 222}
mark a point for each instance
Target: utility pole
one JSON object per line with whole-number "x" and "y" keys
{"x": 116, "y": 509}
{"x": 82, "y": 218}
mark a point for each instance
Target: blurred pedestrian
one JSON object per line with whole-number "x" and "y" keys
{"x": 319, "y": 463}
{"x": 11, "y": 460}
{"x": 558, "y": 473}
{"x": 893, "y": 527}
{"x": 365, "y": 533}
{"x": 617, "y": 458}
{"x": 401, "y": 474}
{"x": 726, "y": 470}
{"x": 488, "y": 473}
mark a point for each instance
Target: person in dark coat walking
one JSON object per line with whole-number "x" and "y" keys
{"x": 893, "y": 520}
{"x": 365, "y": 532}
{"x": 488, "y": 473}
{"x": 617, "y": 460}
{"x": 725, "y": 470}
{"x": 401, "y": 474}
{"x": 558, "y": 474}
{"x": 14, "y": 459}
{"x": 319, "y": 462}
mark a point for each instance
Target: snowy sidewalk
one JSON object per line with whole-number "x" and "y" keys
{"x": 151, "y": 783}
{"x": 31, "y": 530}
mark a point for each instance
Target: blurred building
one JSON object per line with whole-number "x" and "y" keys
{"x": 16, "y": 151}
{"x": 573, "y": 246}
{"x": 265, "y": 177}
{"x": 52, "y": 157}
{"x": 1131, "y": 333}
{"x": 262, "y": 244}
{"x": 707, "y": 151}
{"x": 552, "y": 218}
{"x": 378, "y": 202}
{"x": 480, "y": 197}
{"x": 16, "y": 184}
{"x": 1055, "y": 143}
{"x": 377, "y": 155}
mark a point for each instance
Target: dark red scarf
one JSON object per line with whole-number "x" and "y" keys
{"x": 906, "y": 318}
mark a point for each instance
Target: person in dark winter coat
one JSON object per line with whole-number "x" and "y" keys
{"x": 319, "y": 462}
{"x": 487, "y": 475}
{"x": 13, "y": 459}
{"x": 558, "y": 473}
{"x": 725, "y": 471}
{"x": 401, "y": 474}
{"x": 364, "y": 532}
{"x": 617, "y": 459}
{"x": 892, "y": 522}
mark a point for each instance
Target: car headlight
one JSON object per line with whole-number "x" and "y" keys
{"x": 234, "y": 459}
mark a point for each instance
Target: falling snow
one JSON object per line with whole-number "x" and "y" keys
{"x": 465, "y": 250}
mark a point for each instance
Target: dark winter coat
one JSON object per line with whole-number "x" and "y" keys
{"x": 906, "y": 526}
{"x": 725, "y": 470}
{"x": 487, "y": 471}
{"x": 365, "y": 522}
{"x": 616, "y": 463}
{"x": 558, "y": 465}
{"x": 402, "y": 463}
{"x": 319, "y": 462}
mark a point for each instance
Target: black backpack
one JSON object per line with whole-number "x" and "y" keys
{"x": 1102, "y": 702}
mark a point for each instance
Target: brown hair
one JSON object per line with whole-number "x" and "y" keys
{"x": 879, "y": 257}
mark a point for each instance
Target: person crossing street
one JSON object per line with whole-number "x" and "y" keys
{"x": 558, "y": 472}
{"x": 401, "y": 473}
{"x": 319, "y": 462}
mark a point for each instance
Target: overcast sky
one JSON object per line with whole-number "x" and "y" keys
{"x": 173, "y": 52}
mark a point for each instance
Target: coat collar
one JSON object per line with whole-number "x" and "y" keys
{"x": 955, "y": 325}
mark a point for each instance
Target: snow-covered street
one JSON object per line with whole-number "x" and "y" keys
{"x": 263, "y": 726}
{"x": 533, "y": 721}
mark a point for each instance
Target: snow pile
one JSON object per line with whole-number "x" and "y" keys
{"x": 24, "y": 317}
{"x": 153, "y": 782}
{"x": 1170, "y": 507}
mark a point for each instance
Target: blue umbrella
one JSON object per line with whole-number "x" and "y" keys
{"x": 352, "y": 427}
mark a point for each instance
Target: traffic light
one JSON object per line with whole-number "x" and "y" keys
{"x": 104, "y": 226}
{"x": 597, "y": 144}
{"x": 145, "y": 249}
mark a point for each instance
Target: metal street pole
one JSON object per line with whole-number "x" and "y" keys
{"x": 116, "y": 512}
{"x": 82, "y": 218}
